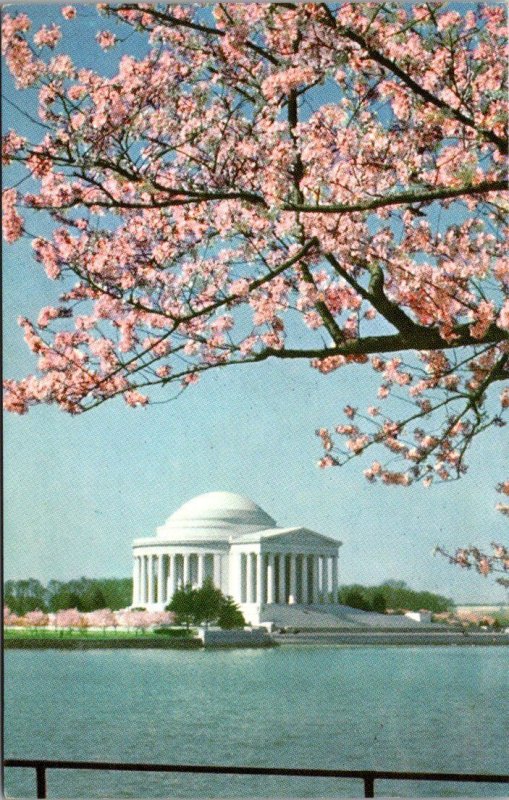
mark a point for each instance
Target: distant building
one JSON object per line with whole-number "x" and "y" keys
{"x": 419, "y": 616}
{"x": 229, "y": 539}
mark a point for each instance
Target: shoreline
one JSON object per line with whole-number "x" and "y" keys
{"x": 306, "y": 639}
{"x": 395, "y": 638}
{"x": 75, "y": 643}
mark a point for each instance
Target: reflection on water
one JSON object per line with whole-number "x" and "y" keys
{"x": 436, "y": 709}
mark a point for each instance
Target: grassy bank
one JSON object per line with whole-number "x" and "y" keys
{"x": 80, "y": 640}
{"x": 51, "y": 633}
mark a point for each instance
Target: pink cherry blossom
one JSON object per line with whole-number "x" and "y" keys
{"x": 36, "y": 619}
{"x": 12, "y": 221}
{"x": 11, "y": 619}
{"x": 11, "y": 144}
{"x": 69, "y": 618}
{"x": 102, "y": 618}
{"x": 68, "y": 12}
{"x": 106, "y": 39}
{"x": 48, "y": 37}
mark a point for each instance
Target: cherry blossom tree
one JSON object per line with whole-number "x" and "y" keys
{"x": 162, "y": 618}
{"x": 102, "y": 618}
{"x": 68, "y": 618}
{"x": 124, "y": 619}
{"x": 271, "y": 182}
{"x": 139, "y": 619}
{"x": 36, "y": 619}
{"x": 10, "y": 619}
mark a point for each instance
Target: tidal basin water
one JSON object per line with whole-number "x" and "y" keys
{"x": 434, "y": 709}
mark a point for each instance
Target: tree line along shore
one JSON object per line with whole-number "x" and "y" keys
{"x": 100, "y": 608}
{"x": 91, "y": 594}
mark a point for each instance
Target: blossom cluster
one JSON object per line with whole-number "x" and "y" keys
{"x": 243, "y": 211}
{"x": 483, "y": 561}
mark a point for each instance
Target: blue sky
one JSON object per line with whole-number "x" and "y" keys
{"x": 79, "y": 489}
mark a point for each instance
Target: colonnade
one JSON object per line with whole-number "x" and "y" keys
{"x": 254, "y": 577}
{"x": 286, "y": 578}
{"x": 157, "y": 576}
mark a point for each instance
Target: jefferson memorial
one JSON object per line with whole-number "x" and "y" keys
{"x": 228, "y": 538}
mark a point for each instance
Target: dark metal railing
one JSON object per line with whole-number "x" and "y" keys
{"x": 367, "y": 776}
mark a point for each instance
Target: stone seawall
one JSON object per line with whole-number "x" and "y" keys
{"x": 379, "y": 638}
{"x": 237, "y": 638}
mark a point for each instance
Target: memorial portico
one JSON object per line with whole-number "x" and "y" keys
{"x": 230, "y": 540}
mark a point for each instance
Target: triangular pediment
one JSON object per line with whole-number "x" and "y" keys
{"x": 290, "y": 539}
{"x": 297, "y": 538}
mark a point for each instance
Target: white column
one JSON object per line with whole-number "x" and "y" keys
{"x": 217, "y": 570}
{"x": 259, "y": 579}
{"x": 159, "y": 559}
{"x": 201, "y": 568}
{"x": 322, "y": 579}
{"x": 325, "y": 578}
{"x": 169, "y": 576}
{"x": 282, "y": 579}
{"x": 143, "y": 580}
{"x": 174, "y": 578}
{"x": 164, "y": 559}
{"x": 305, "y": 591}
{"x": 270, "y": 578}
{"x": 249, "y": 577}
{"x": 234, "y": 576}
{"x": 136, "y": 575}
{"x": 186, "y": 578}
{"x": 254, "y": 561}
{"x": 150, "y": 581}
{"x": 316, "y": 575}
{"x": 238, "y": 576}
{"x": 334, "y": 579}
{"x": 293, "y": 579}
{"x": 242, "y": 577}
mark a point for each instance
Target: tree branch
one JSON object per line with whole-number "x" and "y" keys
{"x": 422, "y": 338}
{"x": 165, "y": 18}
{"x": 376, "y": 296}
{"x": 415, "y": 196}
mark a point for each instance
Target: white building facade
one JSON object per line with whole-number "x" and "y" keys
{"x": 229, "y": 539}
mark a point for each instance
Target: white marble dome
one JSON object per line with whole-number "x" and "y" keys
{"x": 215, "y": 516}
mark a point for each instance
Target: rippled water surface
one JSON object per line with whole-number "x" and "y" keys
{"x": 435, "y": 709}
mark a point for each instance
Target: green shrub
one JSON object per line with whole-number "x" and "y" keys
{"x": 174, "y": 633}
{"x": 378, "y": 602}
{"x": 354, "y": 598}
{"x": 231, "y": 616}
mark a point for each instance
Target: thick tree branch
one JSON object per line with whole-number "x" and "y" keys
{"x": 376, "y": 296}
{"x": 328, "y": 320}
{"x": 402, "y": 198}
{"x": 182, "y": 197}
{"x": 421, "y": 339}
